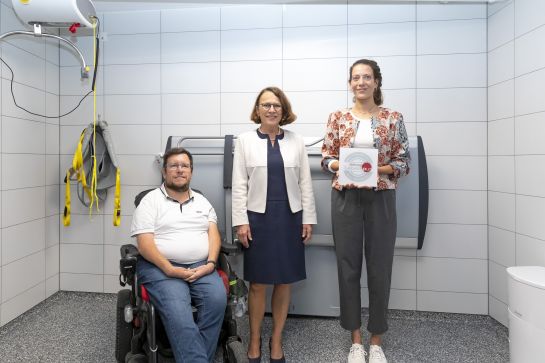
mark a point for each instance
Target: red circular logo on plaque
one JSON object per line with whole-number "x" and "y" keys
{"x": 366, "y": 167}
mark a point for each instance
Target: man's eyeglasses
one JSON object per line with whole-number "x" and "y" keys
{"x": 178, "y": 166}
{"x": 267, "y": 106}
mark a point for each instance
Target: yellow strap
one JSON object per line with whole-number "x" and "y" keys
{"x": 66, "y": 215}
{"x": 117, "y": 198}
{"x": 77, "y": 165}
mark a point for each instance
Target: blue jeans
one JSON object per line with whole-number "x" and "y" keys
{"x": 191, "y": 341}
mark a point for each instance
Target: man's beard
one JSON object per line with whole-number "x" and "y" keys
{"x": 177, "y": 188}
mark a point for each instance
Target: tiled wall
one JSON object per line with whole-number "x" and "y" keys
{"x": 196, "y": 72}
{"x": 29, "y": 253}
{"x": 516, "y": 112}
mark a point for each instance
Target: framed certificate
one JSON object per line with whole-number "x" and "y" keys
{"x": 358, "y": 166}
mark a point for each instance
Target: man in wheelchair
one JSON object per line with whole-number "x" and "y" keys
{"x": 179, "y": 243}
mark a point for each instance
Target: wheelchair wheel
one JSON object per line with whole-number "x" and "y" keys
{"x": 123, "y": 330}
{"x": 235, "y": 352}
{"x": 136, "y": 358}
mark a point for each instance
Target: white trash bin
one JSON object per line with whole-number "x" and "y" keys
{"x": 526, "y": 314}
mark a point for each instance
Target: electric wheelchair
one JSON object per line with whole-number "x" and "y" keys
{"x": 140, "y": 335}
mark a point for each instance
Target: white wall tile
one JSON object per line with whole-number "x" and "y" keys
{"x": 81, "y": 259}
{"x": 22, "y": 240}
{"x": 451, "y": 274}
{"x": 250, "y": 76}
{"x": 190, "y": 78}
{"x": 501, "y": 99}
{"x": 253, "y": 44}
{"x": 495, "y": 7}
{"x": 52, "y": 230}
{"x": 139, "y": 170}
{"x": 529, "y": 14}
{"x": 314, "y": 107}
{"x": 501, "y": 174}
{"x": 52, "y": 197}
{"x": 404, "y": 273}
{"x": 71, "y": 83}
{"x": 192, "y": 19}
{"x": 27, "y": 97}
{"x": 132, "y": 22}
{"x": 69, "y": 141}
{"x": 52, "y": 256}
{"x": 21, "y": 275}
{"x": 190, "y": 47}
{"x": 83, "y": 114}
{"x": 312, "y": 15}
{"x": 530, "y": 52}
{"x": 111, "y": 259}
{"x": 132, "y": 79}
{"x": 69, "y": 57}
{"x": 136, "y": 139}
{"x": 501, "y": 63}
{"x": 22, "y": 171}
{"x": 529, "y": 129}
{"x": 453, "y": 36}
{"x": 402, "y": 299}
{"x": 51, "y": 139}
{"x": 81, "y": 282}
{"x": 465, "y": 207}
{"x": 251, "y": 16}
{"x": 52, "y": 103}
{"x": 426, "y": 11}
{"x": 501, "y": 27}
{"x": 237, "y": 107}
{"x": 132, "y": 49}
{"x": 308, "y": 74}
{"x": 454, "y": 138}
{"x": 132, "y": 109}
{"x": 452, "y": 302}
{"x": 501, "y": 246}
{"x": 497, "y": 281}
{"x": 22, "y": 205}
{"x": 498, "y": 311}
{"x": 52, "y": 51}
{"x": 127, "y": 201}
{"x": 312, "y": 42}
{"x": 528, "y": 91}
{"x": 382, "y": 39}
{"x": 501, "y": 210}
{"x": 52, "y": 74}
{"x": 83, "y": 229}
{"x": 451, "y": 172}
{"x": 529, "y": 178}
{"x": 51, "y": 285}
{"x": 119, "y": 235}
{"x": 455, "y": 241}
{"x": 500, "y": 137}
{"x": 455, "y": 70}
{"x": 188, "y": 108}
{"x": 10, "y": 22}
{"x": 530, "y": 216}
{"x": 530, "y": 251}
{"x": 403, "y": 101}
{"x": 381, "y": 13}
{"x": 21, "y": 303}
{"x": 435, "y": 105}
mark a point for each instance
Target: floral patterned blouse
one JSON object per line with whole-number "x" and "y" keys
{"x": 390, "y": 138}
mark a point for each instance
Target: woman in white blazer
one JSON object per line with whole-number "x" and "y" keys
{"x": 273, "y": 211}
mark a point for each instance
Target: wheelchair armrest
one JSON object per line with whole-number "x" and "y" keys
{"x": 231, "y": 248}
{"x": 127, "y": 264}
{"x": 129, "y": 251}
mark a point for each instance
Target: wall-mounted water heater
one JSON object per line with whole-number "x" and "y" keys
{"x": 55, "y": 13}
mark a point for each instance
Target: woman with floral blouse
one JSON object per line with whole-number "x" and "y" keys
{"x": 365, "y": 212}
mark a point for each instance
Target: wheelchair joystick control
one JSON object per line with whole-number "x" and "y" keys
{"x": 128, "y": 313}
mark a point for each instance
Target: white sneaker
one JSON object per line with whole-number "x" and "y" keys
{"x": 376, "y": 355}
{"x": 357, "y": 354}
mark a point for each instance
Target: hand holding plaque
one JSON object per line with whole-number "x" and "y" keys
{"x": 358, "y": 167}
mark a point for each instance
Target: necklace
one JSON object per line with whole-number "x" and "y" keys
{"x": 363, "y": 113}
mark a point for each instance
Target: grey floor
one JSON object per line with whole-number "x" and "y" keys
{"x": 80, "y": 327}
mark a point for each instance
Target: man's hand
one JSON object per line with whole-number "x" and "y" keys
{"x": 179, "y": 272}
{"x": 198, "y": 272}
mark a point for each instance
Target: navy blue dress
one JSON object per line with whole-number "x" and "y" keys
{"x": 276, "y": 254}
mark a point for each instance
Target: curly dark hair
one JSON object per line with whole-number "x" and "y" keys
{"x": 377, "y": 95}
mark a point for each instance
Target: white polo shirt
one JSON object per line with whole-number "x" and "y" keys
{"x": 180, "y": 229}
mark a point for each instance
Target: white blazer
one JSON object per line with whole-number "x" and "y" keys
{"x": 250, "y": 176}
